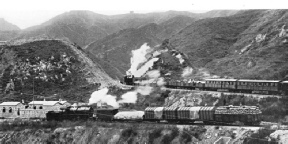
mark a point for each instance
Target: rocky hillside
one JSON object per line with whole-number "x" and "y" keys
{"x": 49, "y": 68}
{"x": 116, "y": 48}
{"x": 6, "y": 26}
{"x": 249, "y": 44}
{"x": 113, "y": 133}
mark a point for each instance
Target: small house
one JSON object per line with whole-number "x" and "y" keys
{"x": 10, "y": 109}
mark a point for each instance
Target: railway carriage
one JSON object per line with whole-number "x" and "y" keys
{"x": 284, "y": 88}
{"x": 221, "y": 84}
{"x": 259, "y": 86}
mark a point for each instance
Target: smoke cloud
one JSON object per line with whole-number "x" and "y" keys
{"x": 129, "y": 97}
{"x": 102, "y": 96}
{"x": 138, "y": 57}
{"x": 140, "y": 72}
{"x": 181, "y": 60}
{"x": 187, "y": 71}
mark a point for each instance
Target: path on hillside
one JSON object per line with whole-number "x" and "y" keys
{"x": 99, "y": 75}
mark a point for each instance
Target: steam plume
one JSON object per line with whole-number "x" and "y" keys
{"x": 138, "y": 57}
{"x": 101, "y": 96}
{"x": 187, "y": 71}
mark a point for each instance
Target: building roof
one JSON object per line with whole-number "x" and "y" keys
{"x": 62, "y": 102}
{"x": 221, "y": 80}
{"x": 48, "y": 103}
{"x": 9, "y": 103}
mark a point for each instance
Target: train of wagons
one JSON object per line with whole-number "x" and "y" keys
{"x": 276, "y": 87}
{"x": 222, "y": 115}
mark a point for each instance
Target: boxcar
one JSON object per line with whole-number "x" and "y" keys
{"x": 188, "y": 114}
{"x": 170, "y": 114}
{"x": 153, "y": 113}
{"x": 206, "y": 114}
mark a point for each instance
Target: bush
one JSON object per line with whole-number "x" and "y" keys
{"x": 196, "y": 132}
{"x": 261, "y": 137}
{"x": 128, "y": 135}
{"x": 156, "y": 133}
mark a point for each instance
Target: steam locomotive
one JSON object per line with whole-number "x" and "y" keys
{"x": 247, "y": 115}
{"x": 276, "y": 87}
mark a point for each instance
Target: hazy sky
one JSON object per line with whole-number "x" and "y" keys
{"x": 26, "y": 13}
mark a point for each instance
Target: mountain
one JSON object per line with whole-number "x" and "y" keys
{"x": 81, "y": 27}
{"x": 250, "y": 44}
{"x": 219, "y": 13}
{"x": 6, "y": 26}
{"x": 7, "y": 30}
{"x": 116, "y": 48}
{"x": 50, "y": 69}
{"x": 84, "y": 27}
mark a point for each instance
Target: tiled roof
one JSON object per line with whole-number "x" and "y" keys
{"x": 9, "y": 103}
{"x": 49, "y": 103}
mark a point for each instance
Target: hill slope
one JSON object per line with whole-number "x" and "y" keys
{"x": 49, "y": 68}
{"x": 116, "y": 48}
{"x": 250, "y": 44}
{"x": 6, "y": 26}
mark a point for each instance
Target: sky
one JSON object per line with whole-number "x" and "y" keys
{"x": 26, "y": 13}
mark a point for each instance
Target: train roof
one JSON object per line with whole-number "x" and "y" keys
{"x": 220, "y": 79}
{"x": 245, "y": 80}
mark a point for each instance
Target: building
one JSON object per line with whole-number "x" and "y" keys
{"x": 38, "y": 109}
{"x": 11, "y": 109}
{"x": 46, "y": 105}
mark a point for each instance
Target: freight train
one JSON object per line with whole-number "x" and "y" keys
{"x": 276, "y": 87}
{"x": 222, "y": 115}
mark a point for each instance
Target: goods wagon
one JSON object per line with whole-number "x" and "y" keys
{"x": 129, "y": 116}
{"x": 170, "y": 114}
{"x": 153, "y": 114}
{"x": 188, "y": 114}
{"x": 248, "y": 115}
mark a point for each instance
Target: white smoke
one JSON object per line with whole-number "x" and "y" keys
{"x": 129, "y": 97}
{"x": 161, "y": 82}
{"x": 138, "y": 57}
{"x": 187, "y": 71}
{"x": 206, "y": 75}
{"x": 140, "y": 72}
{"x": 181, "y": 60}
{"x": 144, "y": 88}
{"x": 101, "y": 96}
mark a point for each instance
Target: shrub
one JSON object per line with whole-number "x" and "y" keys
{"x": 156, "y": 133}
{"x": 128, "y": 135}
{"x": 261, "y": 137}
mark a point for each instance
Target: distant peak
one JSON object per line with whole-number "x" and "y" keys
{"x": 7, "y": 26}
